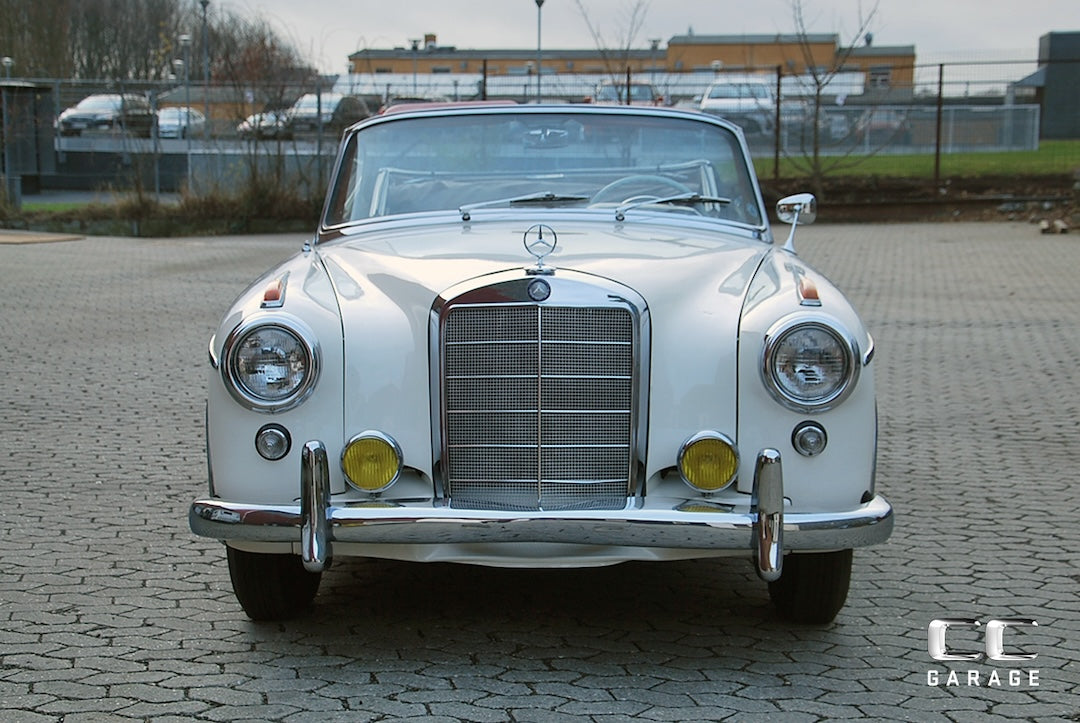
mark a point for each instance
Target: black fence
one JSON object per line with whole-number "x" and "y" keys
{"x": 931, "y": 118}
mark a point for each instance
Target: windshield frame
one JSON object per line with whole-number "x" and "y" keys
{"x": 334, "y": 223}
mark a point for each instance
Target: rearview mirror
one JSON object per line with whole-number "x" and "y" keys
{"x": 800, "y": 208}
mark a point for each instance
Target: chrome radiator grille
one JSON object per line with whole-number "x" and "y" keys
{"x": 538, "y": 406}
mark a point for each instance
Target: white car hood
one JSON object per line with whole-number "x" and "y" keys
{"x": 693, "y": 282}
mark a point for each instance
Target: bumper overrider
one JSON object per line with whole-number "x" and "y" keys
{"x": 764, "y": 529}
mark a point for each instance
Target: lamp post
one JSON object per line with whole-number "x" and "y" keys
{"x": 185, "y": 43}
{"x": 9, "y": 190}
{"x": 415, "y": 47}
{"x": 539, "y": 69}
{"x": 206, "y": 73}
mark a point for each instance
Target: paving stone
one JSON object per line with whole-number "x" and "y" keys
{"x": 122, "y": 614}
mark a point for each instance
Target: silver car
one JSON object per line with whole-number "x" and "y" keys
{"x": 180, "y": 122}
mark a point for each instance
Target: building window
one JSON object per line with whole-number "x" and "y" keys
{"x": 441, "y": 69}
{"x": 880, "y": 76}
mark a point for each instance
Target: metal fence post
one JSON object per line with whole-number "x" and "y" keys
{"x": 940, "y": 111}
{"x": 157, "y": 147}
{"x": 776, "y": 124}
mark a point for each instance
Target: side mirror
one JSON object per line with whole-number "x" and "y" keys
{"x": 800, "y": 208}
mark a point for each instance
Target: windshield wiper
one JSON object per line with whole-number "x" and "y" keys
{"x": 541, "y": 199}
{"x": 683, "y": 199}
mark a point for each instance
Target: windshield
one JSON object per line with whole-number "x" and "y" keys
{"x": 99, "y": 103}
{"x": 596, "y": 160}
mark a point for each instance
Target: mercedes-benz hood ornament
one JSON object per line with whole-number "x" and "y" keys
{"x": 540, "y": 241}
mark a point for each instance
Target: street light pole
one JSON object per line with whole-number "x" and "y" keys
{"x": 206, "y": 73}
{"x": 8, "y": 192}
{"x": 415, "y": 47}
{"x": 185, "y": 43}
{"x": 539, "y": 69}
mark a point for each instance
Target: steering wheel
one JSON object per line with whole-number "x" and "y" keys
{"x": 614, "y": 191}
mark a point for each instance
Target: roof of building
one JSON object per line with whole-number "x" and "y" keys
{"x": 871, "y": 51}
{"x": 448, "y": 52}
{"x": 1035, "y": 80}
{"x": 753, "y": 39}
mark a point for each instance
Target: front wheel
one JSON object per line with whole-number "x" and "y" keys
{"x": 271, "y": 587}
{"x": 813, "y": 587}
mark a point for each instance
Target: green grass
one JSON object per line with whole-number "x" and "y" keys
{"x": 1052, "y": 157}
{"x": 51, "y": 207}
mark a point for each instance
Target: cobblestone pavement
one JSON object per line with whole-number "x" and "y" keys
{"x": 110, "y": 609}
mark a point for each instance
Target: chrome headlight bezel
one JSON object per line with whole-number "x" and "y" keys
{"x": 839, "y": 391}
{"x": 310, "y": 354}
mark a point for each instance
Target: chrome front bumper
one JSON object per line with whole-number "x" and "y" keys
{"x": 764, "y": 529}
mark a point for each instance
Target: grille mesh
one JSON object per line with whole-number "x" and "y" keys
{"x": 538, "y": 406}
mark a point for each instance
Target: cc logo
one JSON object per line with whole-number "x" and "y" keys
{"x": 994, "y": 639}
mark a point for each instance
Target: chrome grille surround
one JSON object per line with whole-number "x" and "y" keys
{"x": 541, "y": 404}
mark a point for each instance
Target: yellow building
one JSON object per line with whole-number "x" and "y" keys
{"x": 884, "y": 66}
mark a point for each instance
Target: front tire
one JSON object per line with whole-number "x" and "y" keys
{"x": 813, "y": 587}
{"x": 271, "y": 587}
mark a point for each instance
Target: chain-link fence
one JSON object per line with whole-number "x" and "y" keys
{"x": 959, "y": 118}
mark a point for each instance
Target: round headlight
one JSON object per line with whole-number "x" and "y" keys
{"x": 809, "y": 365}
{"x": 269, "y": 366}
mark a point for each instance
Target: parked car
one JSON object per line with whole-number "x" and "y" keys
{"x": 111, "y": 112}
{"x": 336, "y": 111}
{"x": 268, "y": 124}
{"x": 747, "y": 102}
{"x": 180, "y": 122}
{"x": 543, "y": 336}
{"x": 615, "y": 94}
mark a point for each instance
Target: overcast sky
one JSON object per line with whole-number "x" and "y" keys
{"x": 327, "y": 31}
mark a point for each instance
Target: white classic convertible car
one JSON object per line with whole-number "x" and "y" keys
{"x": 543, "y": 336}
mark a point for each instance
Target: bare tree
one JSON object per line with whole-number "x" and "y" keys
{"x": 818, "y": 77}
{"x": 616, "y": 55}
{"x": 254, "y": 60}
{"x": 31, "y": 35}
{"x": 121, "y": 39}
{"x": 265, "y": 74}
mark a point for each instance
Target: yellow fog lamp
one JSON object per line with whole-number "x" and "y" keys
{"x": 371, "y": 461}
{"x": 709, "y": 461}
